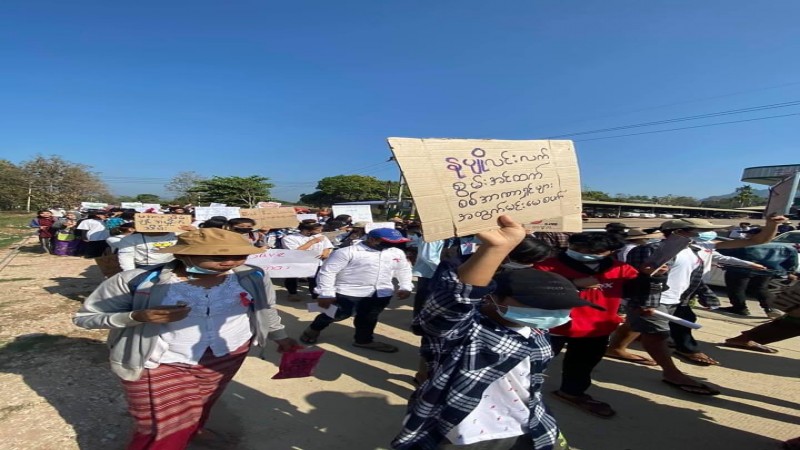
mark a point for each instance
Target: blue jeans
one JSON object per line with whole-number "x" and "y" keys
{"x": 366, "y": 309}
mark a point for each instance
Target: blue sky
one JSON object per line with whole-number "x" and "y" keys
{"x": 300, "y": 90}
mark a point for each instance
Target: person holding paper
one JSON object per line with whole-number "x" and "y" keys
{"x": 669, "y": 288}
{"x": 178, "y": 334}
{"x": 589, "y": 265}
{"x": 358, "y": 280}
{"x": 487, "y": 347}
{"x": 309, "y": 238}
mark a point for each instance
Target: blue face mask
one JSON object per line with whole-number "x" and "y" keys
{"x": 191, "y": 268}
{"x": 705, "y": 236}
{"x": 543, "y": 319}
{"x": 583, "y": 257}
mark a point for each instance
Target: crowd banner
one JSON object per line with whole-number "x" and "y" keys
{"x": 207, "y": 212}
{"x": 284, "y": 217}
{"x": 161, "y": 223}
{"x": 359, "y": 213}
{"x": 375, "y": 225}
{"x": 279, "y": 263}
{"x": 461, "y": 186}
{"x": 93, "y": 205}
{"x": 130, "y": 205}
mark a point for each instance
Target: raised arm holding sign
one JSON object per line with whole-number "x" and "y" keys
{"x": 461, "y": 186}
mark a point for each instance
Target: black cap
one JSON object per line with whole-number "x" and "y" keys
{"x": 616, "y": 226}
{"x": 538, "y": 289}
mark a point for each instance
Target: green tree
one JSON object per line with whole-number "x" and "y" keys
{"x": 349, "y": 188}
{"x": 599, "y": 196}
{"x": 233, "y": 191}
{"x": 182, "y": 184}
{"x": 148, "y": 198}
{"x": 55, "y": 181}
{"x": 744, "y": 196}
{"x": 13, "y": 186}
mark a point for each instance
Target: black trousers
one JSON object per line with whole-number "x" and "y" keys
{"x": 681, "y": 335}
{"x": 580, "y": 359}
{"x": 291, "y": 285}
{"x": 739, "y": 284}
{"x": 366, "y": 309}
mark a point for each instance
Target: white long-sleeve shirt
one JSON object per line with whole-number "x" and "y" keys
{"x": 140, "y": 249}
{"x": 361, "y": 271}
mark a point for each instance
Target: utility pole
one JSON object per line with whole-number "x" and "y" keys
{"x": 30, "y": 192}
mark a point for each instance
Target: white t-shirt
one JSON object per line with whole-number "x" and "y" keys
{"x": 292, "y": 241}
{"x": 503, "y": 410}
{"x": 680, "y": 276}
{"x": 139, "y": 249}
{"x": 95, "y": 230}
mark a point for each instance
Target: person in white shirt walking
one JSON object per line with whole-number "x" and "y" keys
{"x": 309, "y": 238}
{"x": 358, "y": 280}
{"x": 141, "y": 250}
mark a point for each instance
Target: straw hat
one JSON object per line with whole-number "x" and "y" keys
{"x": 212, "y": 242}
{"x": 635, "y": 234}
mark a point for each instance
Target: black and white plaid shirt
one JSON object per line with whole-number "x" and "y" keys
{"x": 466, "y": 352}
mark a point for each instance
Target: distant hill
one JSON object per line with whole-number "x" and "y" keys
{"x": 762, "y": 193}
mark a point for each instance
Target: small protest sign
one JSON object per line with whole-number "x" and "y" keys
{"x": 272, "y": 217}
{"x": 161, "y": 223}
{"x": 782, "y": 195}
{"x": 153, "y": 208}
{"x": 207, "y": 212}
{"x": 93, "y": 205}
{"x": 359, "y": 213}
{"x": 302, "y": 217}
{"x": 280, "y": 263}
{"x": 130, "y": 205}
{"x": 268, "y": 205}
{"x": 375, "y": 225}
{"x": 299, "y": 363}
{"x": 461, "y": 186}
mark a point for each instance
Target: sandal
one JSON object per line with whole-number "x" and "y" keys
{"x": 697, "y": 389}
{"x": 750, "y": 345}
{"x": 309, "y": 336}
{"x": 636, "y": 359}
{"x": 698, "y": 359}
{"x": 588, "y": 404}
{"x": 378, "y": 346}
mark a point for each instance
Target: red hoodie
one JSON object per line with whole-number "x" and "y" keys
{"x": 587, "y": 321}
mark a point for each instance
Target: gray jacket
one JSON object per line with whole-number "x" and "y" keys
{"x": 131, "y": 343}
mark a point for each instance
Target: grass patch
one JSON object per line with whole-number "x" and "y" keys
{"x": 14, "y": 227}
{"x": 6, "y": 280}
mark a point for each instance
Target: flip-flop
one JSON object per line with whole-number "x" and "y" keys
{"x": 637, "y": 360}
{"x": 693, "y": 388}
{"x": 588, "y": 404}
{"x": 378, "y": 346}
{"x": 309, "y": 338}
{"x": 697, "y": 361}
{"x": 752, "y": 346}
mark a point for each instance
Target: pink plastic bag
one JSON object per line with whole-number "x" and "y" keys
{"x": 299, "y": 363}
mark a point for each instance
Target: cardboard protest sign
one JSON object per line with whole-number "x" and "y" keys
{"x": 207, "y": 212}
{"x": 781, "y": 196}
{"x": 375, "y": 225}
{"x": 279, "y": 263}
{"x": 272, "y": 217}
{"x": 161, "y": 223}
{"x": 461, "y": 186}
{"x": 359, "y": 213}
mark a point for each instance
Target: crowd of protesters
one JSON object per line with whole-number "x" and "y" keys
{"x": 491, "y": 310}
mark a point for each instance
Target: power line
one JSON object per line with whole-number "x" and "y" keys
{"x": 684, "y": 119}
{"x": 691, "y": 127}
